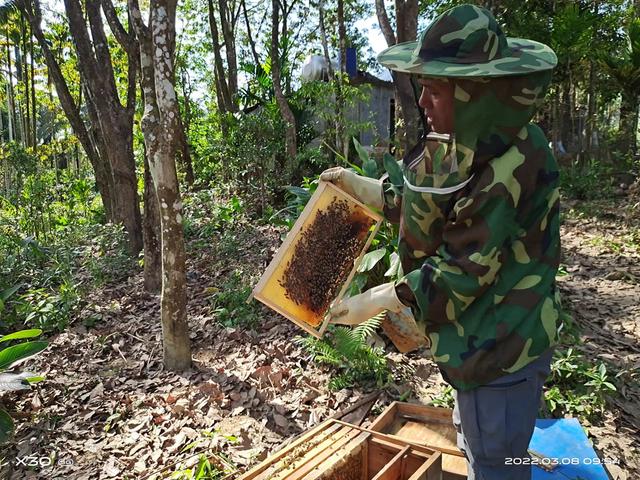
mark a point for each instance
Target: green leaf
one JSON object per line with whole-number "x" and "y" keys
{"x": 299, "y": 192}
{"x": 33, "y": 380}
{"x": 371, "y": 259}
{"x": 7, "y": 292}
{"x": 369, "y": 166}
{"x": 393, "y": 169}
{"x": 370, "y": 169}
{"x": 34, "y": 332}
{"x": 10, "y": 356}
{"x": 6, "y": 426}
{"x": 362, "y": 153}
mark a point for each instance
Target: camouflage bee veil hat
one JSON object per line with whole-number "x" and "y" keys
{"x": 466, "y": 41}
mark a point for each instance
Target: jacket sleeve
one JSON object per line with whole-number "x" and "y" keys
{"x": 467, "y": 262}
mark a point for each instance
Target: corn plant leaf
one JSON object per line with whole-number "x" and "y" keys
{"x": 10, "y": 356}
{"x": 22, "y": 334}
{"x": 362, "y": 153}
{"x": 371, "y": 259}
{"x": 369, "y": 166}
{"x": 6, "y": 293}
{"x": 393, "y": 169}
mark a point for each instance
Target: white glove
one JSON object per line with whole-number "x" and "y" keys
{"x": 362, "y": 307}
{"x": 367, "y": 190}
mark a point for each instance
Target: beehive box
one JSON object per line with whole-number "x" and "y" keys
{"x": 428, "y": 426}
{"x": 339, "y": 451}
{"x": 329, "y": 238}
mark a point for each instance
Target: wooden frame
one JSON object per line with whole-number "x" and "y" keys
{"x": 272, "y": 294}
{"x": 424, "y": 425}
{"x": 329, "y": 447}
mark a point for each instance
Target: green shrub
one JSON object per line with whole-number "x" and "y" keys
{"x": 48, "y": 310}
{"x": 586, "y": 181}
{"x": 347, "y": 351}
{"x": 444, "y": 398}
{"x": 577, "y": 387}
{"x": 229, "y": 303}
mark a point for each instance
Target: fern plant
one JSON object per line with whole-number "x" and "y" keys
{"x": 347, "y": 351}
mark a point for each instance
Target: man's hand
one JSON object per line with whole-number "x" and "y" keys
{"x": 366, "y": 190}
{"x": 362, "y": 307}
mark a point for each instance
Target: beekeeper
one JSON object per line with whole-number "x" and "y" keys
{"x": 477, "y": 204}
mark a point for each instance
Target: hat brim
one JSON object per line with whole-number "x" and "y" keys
{"x": 531, "y": 57}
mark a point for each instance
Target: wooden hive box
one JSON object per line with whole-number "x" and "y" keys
{"x": 336, "y": 450}
{"x": 269, "y": 289}
{"x": 428, "y": 426}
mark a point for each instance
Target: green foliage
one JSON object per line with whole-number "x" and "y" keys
{"x": 206, "y": 215}
{"x": 40, "y": 201}
{"x": 42, "y": 292}
{"x": 577, "y": 387}
{"x": 444, "y": 398}
{"x": 10, "y": 356}
{"x": 107, "y": 258}
{"x": 382, "y": 263}
{"x": 586, "y": 180}
{"x": 212, "y": 465}
{"x": 347, "y": 351}
{"x": 244, "y": 153}
{"x": 206, "y": 469}
{"x": 229, "y": 303}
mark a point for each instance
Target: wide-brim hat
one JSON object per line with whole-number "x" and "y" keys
{"x": 466, "y": 41}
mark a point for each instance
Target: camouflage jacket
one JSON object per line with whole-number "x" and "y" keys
{"x": 480, "y": 259}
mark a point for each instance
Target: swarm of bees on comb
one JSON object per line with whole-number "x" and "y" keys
{"x": 324, "y": 256}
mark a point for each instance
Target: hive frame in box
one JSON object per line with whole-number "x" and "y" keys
{"x": 331, "y": 442}
{"x": 278, "y": 259}
{"x": 437, "y": 433}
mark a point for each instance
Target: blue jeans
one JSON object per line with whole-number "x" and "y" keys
{"x": 495, "y": 422}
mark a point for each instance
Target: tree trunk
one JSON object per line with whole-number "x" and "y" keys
{"x": 185, "y": 153}
{"x": 100, "y": 164}
{"x": 151, "y": 230}
{"x": 252, "y": 42}
{"x": 565, "y": 112}
{"x": 222, "y": 87}
{"x": 343, "y": 140}
{"x": 227, "y": 22}
{"x": 160, "y": 128}
{"x": 336, "y": 125}
{"x": 34, "y": 127}
{"x": 283, "y": 105}
{"x": 406, "y": 30}
{"x": 591, "y": 110}
{"x": 26, "y": 128}
{"x": 628, "y": 126}
{"x": 11, "y": 104}
{"x": 115, "y": 120}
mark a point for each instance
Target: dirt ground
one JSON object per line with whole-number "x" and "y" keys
{"x": 108, "y": 410}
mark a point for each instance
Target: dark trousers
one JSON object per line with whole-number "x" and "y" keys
{"x": 495, "y": 422}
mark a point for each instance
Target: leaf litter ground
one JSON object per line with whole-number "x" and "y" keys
{"x": 107, "y": 410}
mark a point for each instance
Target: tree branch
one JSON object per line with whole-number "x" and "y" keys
{"x": 123, "y": 37}
{"x": 385, "y": 24}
